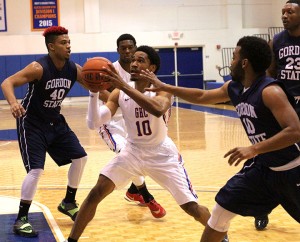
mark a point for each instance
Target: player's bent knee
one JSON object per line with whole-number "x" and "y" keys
{"x": 220, "y": 219}
{"x": 36, "y": 173}
{"x": 84, "y": 159}
{"x": 190, "y": 208}
{"x": 80, "y": 162}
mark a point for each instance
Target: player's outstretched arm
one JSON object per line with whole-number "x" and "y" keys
{"x": 193, "y": 95}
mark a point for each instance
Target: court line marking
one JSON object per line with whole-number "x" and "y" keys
{"x": 7, "y": 143}
{"x": 52, "y": 221}
{"x": 84, "y": 187}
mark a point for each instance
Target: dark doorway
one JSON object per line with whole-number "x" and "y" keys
{"x": 189, "y": 64}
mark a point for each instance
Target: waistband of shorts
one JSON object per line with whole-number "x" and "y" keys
{"x": 148, "y": 146}
{"x": 292, "y": 164}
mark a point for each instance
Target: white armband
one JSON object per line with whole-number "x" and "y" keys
{"x": 97, "y": 115}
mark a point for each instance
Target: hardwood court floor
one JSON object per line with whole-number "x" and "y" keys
{"x": 202, "y": 139}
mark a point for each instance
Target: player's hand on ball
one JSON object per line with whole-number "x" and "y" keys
{"x": 112, "y": 77}
{"x": 91, "y": 74}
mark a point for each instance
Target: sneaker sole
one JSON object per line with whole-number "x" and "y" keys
{"x": 66, "y": 213}
{"x": 138, "y": 203}
{"x": 27, "y": 235}
{"x": 160, "y": 216}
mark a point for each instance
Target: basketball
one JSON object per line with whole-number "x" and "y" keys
{"x": 90, "y": 73}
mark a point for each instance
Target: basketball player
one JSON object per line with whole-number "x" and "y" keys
{"x": 40, "y": 126}
{"x": 271, "y": 174}
{"x": 114, "y": 132}
{"x": 148, "y": 150}
{"x": 286, "y": 50}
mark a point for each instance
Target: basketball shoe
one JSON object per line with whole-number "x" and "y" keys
{"x": 135, "y": 197}
{"x": 156, "y": 209}
{"x": 70, "y": 209}
{"x": 23, "y": 228}
{"x": 225, "y": 239}
{"x": 261, "y": 222}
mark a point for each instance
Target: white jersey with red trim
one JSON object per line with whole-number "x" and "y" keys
{"x": 114, "y": 132}
{"x": 143, "y": 128}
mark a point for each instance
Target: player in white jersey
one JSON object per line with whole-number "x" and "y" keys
{"x": 114, "y": 132}
{"x": 148, "y": 151}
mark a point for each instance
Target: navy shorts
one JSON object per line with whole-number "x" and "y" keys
{"x": 257, "y": 190}
{"x": 38, "y": 137}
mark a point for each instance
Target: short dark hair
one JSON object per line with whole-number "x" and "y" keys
{"x": 125, "y": 37}
{"x": 51, "y": 33}
{"x": 257, "y": 51}
{"x": 152, "y": 55}
{"x": 294, "y": 1}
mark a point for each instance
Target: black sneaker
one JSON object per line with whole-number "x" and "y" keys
{"x": 225, "y": 239}
{"x": 261, "y": 222}
{"x": 23, "y": 228}
{"x": 70, "y": 209}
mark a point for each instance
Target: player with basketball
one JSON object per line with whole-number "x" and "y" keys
{"x": 114, "y": 132}
{"x": 40, "y": 126}
{"x": 148, "y": 151}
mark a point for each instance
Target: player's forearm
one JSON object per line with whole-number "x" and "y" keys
{"x": 103, "y": 95}
{"x": 192, "y": 95}
{"x": 288, "y": 136}
{"x": 96, "y": 115}
{"x": 8, "y": 91}
{"x": 149, "y": 104}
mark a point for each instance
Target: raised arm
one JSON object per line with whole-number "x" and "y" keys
{"x": 101, "y": 114}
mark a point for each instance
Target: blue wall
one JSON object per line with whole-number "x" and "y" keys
{"x": 13, "y": 63}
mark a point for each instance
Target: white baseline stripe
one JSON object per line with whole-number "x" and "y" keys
{"x": 7, "y": 143}
{"x": 52, "y": 221}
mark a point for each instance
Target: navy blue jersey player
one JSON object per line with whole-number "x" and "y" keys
{"x": 285, "y": 65}
{"x": 272, "y": 125}
{"x": 40, "y": 126}
{"x": 286, "y": 51}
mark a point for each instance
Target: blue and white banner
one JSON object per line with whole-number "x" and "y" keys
{"x": 45, "y": 13}
{"x": 3, "y": 26}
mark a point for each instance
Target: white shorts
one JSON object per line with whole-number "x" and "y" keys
{"x": 114, "y": 134}
{"x": 162, "y": 163}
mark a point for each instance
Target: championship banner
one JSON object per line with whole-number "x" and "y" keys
{"x": 45, "y": 13}
{"x": 3, "y": 26}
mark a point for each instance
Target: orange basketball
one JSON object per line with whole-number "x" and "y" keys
{"x": 90, "y": 73}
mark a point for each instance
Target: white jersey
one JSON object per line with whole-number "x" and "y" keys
{"x": 149, "y": 152}
{"x": 126, "y": 77}
{"x": 114, "y": 132}
{"x": 143, "y": 128}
